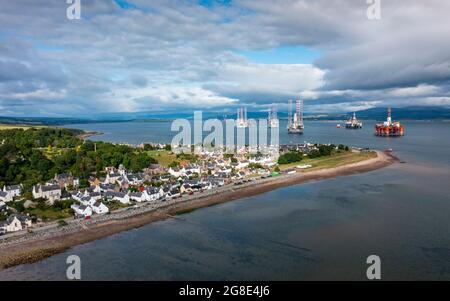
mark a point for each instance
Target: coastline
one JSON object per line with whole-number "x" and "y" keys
{"x": 87, "y": 134}
{"x": 19, "y": 251}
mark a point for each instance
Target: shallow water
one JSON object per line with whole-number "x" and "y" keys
{"x": 322, "y": 230}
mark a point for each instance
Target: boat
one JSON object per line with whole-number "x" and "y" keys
{"x": 295, "y": 122}
{"x": 353, "y": 123}
{"x": 389, "y": 128}
{"x": 338, "y": 126}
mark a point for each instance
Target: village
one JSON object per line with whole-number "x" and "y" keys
{"x": 121, "y": 189}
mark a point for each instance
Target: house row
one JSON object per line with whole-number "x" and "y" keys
{"x": 85, "y": 210}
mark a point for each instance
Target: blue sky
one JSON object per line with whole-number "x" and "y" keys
{"x": 160, "y": 55}
{"x": 282, "y": 55}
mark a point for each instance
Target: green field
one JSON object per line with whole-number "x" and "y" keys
{"x": 164, "y": 157}
{"x": 335, "y": 160}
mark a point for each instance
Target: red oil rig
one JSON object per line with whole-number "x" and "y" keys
{"x": 389, "y": 128}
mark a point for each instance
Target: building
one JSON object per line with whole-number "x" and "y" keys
{"x": 51, "y": 193}
{"x": 5, "y": 196}
{"x": 14, "y": 190}
{"x": 100, "y": 208}
{"x": 118, "y": 196}
{"x": 15, "y": 222}
{"x": 82, "y": 210}
{"x": 66, "y": 180}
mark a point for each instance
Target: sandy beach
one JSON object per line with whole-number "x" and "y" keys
{"x": 39, "y": 247}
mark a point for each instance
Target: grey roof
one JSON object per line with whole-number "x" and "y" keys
{"x": 13, "y": 187}
{"x": 50, "y": 187}
{"x": 115, "y": 194}
{"x": 3, "y": 194}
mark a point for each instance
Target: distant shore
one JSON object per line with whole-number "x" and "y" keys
{"x": 38, "y": 247}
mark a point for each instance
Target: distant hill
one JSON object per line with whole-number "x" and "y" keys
{"x": 411, "y": 113}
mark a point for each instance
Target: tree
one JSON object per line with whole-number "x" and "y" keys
{"x": 290, "y": 157}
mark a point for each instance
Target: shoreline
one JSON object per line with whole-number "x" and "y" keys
{"x": 87, "y": 134}
{"x": 17, "y": 252}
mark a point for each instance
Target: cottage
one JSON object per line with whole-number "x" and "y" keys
{"x": 153, "y": 193}
{"x": 174, "y": 193}
{"x": 100, "y": 208}
{"x": 82, "y": 210}
{"x": 15, "y": 222}
{"x": 118, "y": 196}
{"x": 51, "y": 193}
{"x": 5, "y": 196}
{"x": 137, "y": 196}
{"x": 134, "y": 179}
{"x": 14, "y": 190}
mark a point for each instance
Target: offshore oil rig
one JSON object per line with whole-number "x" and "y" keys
{"x": 272, "y": 119}
{"x": 389, "y": 128}
{"x": 241, "y": 118}
{"x": 295, "y": 122}
{"x": 353, "y": 123}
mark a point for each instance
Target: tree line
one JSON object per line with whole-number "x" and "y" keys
{"x": 34, "y": 155}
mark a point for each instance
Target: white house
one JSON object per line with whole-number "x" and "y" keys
{"x": 5, "y": 196}
{"x": 137, "y": 196}
{"x": 100, "y": 208}
{"x": 12, "y": 224}
{"x": 82, "y": 210}
{"x": 51, "y": 193}
{"x": 153, "y": 193}
{"x": 119, "y": 196}
{"x": 15, "y": 223}
{"x": 14, "y": 190}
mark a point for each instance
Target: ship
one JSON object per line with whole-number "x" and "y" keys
{"x": 241, "y": 120}
{"x": 295, "y": 122}
{"x": 272, "y": 119}
{"x": 389, "y": 128}
{"x": 353, "y": 123}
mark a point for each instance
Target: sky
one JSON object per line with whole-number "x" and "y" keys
{"x": 127, "y": 56}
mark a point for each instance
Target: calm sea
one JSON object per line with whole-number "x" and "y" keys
{"x": 317, "y": 231}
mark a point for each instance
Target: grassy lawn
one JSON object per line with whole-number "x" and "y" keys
{"x": 19, "y": 126}
{"x": 49, "y": 213}
{"x": 337, "y": 159}
{"x": 164, "y": 157}
{"x": 115, "y": 205}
